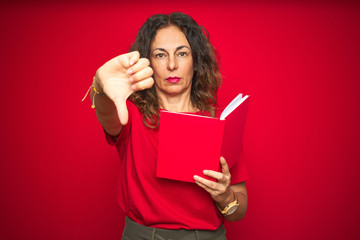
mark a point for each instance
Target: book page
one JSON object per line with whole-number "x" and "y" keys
{"x": 233, "y": 105}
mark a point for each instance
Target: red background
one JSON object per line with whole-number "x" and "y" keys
{"x": 298, "y": 61}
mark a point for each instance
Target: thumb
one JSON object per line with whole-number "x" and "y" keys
{"x": 224, "y": 166}
{"x": 122, "y": 111}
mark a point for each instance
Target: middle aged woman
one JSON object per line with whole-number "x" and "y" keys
{"x": 171, "y": 66}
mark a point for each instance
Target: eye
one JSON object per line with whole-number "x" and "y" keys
{"x": 160, "y": 55}
{"x": 182, "y": 54}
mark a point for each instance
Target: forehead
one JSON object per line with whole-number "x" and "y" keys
{"x": 169, "y": 38}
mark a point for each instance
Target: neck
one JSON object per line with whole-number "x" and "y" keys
{"x": 177, "y": 103}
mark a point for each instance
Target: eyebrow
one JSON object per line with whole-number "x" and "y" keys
{"x": 178, "y": 48}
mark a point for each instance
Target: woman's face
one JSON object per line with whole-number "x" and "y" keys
{"x": 172, "y": 62}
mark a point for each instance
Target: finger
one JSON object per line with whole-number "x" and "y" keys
{"x": 144, "y": 84}
{"x": 122, "y": 111}
{"x": 209, "y": 184}
{"x": 205, "y": 187}
{"x": 139, "y": 65}
{"x": 127, "y": 60}
{"x": 133, "y": 57}
{"x": 217, "y": 175}
{"x": 224, "y": 166}
{"x": 141, "y": 75}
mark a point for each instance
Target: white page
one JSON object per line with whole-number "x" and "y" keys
{"x": 233, "y": 105}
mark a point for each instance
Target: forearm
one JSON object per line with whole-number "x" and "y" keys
{"x": 238, "y": 190}
{"x": 105, "y": 110}
{"x": 241, "y": 210}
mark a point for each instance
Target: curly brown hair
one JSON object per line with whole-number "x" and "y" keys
{"x": 206, "y": 79}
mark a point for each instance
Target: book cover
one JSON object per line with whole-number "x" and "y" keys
{"x": 189, "y": 143}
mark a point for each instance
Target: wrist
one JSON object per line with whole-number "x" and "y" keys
{"x": 97, "y": 85}
{"x": 231, "y": 207}
{"x": 97, "y": 88}
{"x": 230, "y": 197}
{"x": 94, "y": 91}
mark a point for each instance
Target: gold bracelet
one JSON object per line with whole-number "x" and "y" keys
{"x": 96, "y": 92}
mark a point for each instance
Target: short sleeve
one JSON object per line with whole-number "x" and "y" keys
{"x": 239, "y": 172}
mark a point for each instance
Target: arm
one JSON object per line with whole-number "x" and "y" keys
{"x": 118, "y": 79}
{"x": 105, "y": 111}
{"x": 240, "y": 190}
{"x": 221, "y": 191}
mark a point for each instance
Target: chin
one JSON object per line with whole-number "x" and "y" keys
{"x": 175, "y": 90}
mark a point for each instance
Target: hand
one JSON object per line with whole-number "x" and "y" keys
{"x": 220, "y": 191}
{"x": 122, "y": 76}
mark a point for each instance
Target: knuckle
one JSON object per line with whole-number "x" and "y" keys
{"x": 150, "y": 82}
{"x": 144, "y": 61}
{"x": 135, "y": 77}
{"x": 223, "y": 178}
{"x": 122, "y": 59}
{"x": 147, "y": 62}
{"x": 139, "y": 87}
{"x": 227, "y": 177}
{"x": 147, "y": 83}
{"x": 147, "y": 71}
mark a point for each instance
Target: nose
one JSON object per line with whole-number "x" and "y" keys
{"x": 172, "y": 63}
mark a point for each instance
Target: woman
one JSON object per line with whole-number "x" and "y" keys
{"x": 171, "y": 66}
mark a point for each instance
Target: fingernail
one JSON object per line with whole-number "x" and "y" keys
{"x": 205, "y": 171}
{"x": 131, "y": 79}
{"x": 129, "y": 71}
{"x": 196, "y": 177}
{"x": 133, "y": 87}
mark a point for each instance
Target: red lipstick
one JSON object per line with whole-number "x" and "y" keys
{"x": 173, "y": 79}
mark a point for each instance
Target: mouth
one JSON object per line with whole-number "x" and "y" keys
{"x": 173, "y": 79}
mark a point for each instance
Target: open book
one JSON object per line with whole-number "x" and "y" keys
{"x": 189, "y": 144}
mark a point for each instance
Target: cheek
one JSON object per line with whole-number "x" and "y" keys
{"x": 159, "y": 74}
{"x": 158, "y": 69}
{"x": 190, "y": 70}
{"x": 157, "y": 79}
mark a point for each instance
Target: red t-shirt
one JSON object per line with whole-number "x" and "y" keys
{"x": 158, "y": 202}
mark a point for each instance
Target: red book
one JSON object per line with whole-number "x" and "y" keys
{"x": 189, "y": 144}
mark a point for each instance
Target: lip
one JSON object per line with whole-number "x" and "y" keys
{"x": 173, "y": 79}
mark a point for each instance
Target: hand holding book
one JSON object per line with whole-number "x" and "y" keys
{"x": 219, "y": 191}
